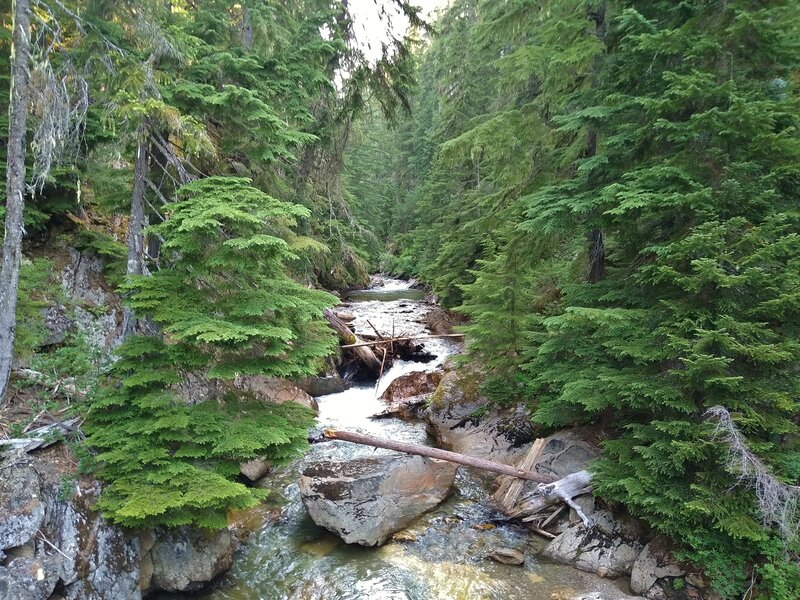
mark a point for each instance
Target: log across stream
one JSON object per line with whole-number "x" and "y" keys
{"x": 442, "y": 557}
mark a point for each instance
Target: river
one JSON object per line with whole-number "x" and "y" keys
{"x": 441, "y": 557}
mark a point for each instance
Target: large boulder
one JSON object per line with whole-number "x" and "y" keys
{"x": 406, "y": 395}
{"x": 322, "y": 385}
{"x": 274, "y": 390}
{"x": 187, "y": 558}
{"x": 459, "y": 420}
{"x": 366, "y": 500}
{"x": 654, "y": 562}
{"x": 609, "y": 548}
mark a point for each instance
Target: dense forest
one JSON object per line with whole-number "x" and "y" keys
{"x": 605, "y": 192}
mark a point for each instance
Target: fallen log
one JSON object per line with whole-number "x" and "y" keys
{"x": 352, "y": 341}
{"x": 43, "y": 436}
{"x": 400, "y": 339}
{"x": 419, "y": 449}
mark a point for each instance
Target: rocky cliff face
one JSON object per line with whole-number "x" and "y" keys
{"x": 54, "y": 544}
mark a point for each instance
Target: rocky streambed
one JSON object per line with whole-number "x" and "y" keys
{"x": 417, "y": 529}
{"x": 460, "y": 548}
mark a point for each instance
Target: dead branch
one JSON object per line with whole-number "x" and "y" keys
{"x": 778, "y": 502}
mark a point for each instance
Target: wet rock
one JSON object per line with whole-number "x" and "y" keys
{"x": 407, "y": 395}
{"x": 441, "y": 321}
{"x": 322, "y": 386}
{"x": 21, "y": 507}
{"x": 345, "y": 316}
{"x": 594, "y": 551}
{"x": 412, "y": 384}
{"x": 459, "y": 420}
{"x": 29, "y": 578}
{"x": 654, "y": 562}
{"x": 365, "y": 501}
{"x": 255, "y": 469}
{"x": 508, "y": 556}
{"x": 274, "y": 390}
{"x": 187, "y": 558}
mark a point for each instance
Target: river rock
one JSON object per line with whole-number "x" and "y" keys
{"x": 508, "y": 556}
{"x": 441, "y": 321}
{"x": 600, "y": 550}
{"x": 322, "y": 386}
{"x": 364, "y": 501}
{"x": 458, "y": 418}
{"x": 187, "y": 558}
{"x": 407, "y": 394}
{"x": 274, "y": 390}
{"x": 654, "y": 562}
{"x": 255, "y": 469}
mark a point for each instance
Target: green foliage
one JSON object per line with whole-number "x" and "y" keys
{"x": 226, "y": 292}
{"x": 226, "y": 308}
{"x": 669, "y": 132}
{"x": 172, "y": 463}
{"x": 36, "y": 292}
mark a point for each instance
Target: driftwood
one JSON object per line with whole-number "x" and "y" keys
{"x": 42, "y": 436}
{"x": 510, "y": 487}
{"x": 563, "y": 490}
{"x": 400, "y": 339}
{"x": 454, "y": 457}
{"x": 351, "y": 340}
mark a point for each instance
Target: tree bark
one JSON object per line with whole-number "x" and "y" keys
{"x": 362, "y": 351}
{"x": 15, "y": 187}
{"x": 136, "y": 226}
{"x": 597, "y": 250}
{"x": 454, "y": 457}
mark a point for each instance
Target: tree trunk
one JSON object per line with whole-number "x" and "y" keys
{"x": 597, "y": 250}
{"x": 136, "y": 226}
{"x": 563, "y": 490}
{"x": 362, "y": 351}
{"x": 15, "y": 187}
{"x": 419, "y": 449}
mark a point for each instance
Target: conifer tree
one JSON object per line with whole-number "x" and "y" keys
{"x": 226, "y": 308}
{"x": 693, "y": 183}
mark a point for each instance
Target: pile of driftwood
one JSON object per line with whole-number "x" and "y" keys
{"x": 549, "y": 493}
{"x": 374, "y": 353}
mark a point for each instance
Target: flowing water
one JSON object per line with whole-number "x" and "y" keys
{"x": 441, "y": 557}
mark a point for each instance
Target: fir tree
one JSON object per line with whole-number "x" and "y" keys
{"x": 225, "y": 307}
{"x": 693, "y": 182}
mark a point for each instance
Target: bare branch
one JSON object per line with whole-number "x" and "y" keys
{"x": 777, "y": 501}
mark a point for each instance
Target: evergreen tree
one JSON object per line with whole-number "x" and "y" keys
{"x": 226, "y": 307}
{"x": 693, "y": 182}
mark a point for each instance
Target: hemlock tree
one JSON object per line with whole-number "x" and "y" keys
{"x": 694, "y": 182}
{"x": 226, "y": 308}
